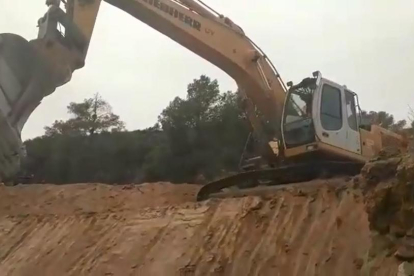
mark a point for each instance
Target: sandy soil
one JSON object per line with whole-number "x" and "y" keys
{"x": 84, "y": 198}
{"x": 158, "y": 229}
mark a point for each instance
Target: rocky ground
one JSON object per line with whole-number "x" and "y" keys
{"x": 359, "y": 226}
{"x": 388, "y": 187}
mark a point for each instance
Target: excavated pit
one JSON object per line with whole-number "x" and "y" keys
{"x": 359, "y": 226}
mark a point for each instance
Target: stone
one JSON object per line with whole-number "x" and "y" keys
{"x": 374, "y": 172}
{"x": 405, "y": 269}
{"x": 405, "y": 253}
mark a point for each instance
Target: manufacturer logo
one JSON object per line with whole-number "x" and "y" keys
{"x": 175, "y": 13}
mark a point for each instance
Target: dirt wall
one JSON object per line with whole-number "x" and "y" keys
{"x": 155, "y": 229}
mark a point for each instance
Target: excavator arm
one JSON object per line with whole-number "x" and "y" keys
{"x": 190, "y": 23}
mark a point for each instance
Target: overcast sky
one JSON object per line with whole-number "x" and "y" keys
{"x": 367, "y": 45}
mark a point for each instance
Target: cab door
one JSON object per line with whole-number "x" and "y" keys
{"x": 332, "y": 125}
{"x": 329, "y": 123}
{"x": 353, "y": 139}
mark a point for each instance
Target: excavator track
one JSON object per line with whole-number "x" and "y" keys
{"x": 288, "y": 174}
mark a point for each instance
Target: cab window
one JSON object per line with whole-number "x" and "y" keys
{"x": 351, "y": 110}
{"x": 331, "y": 110}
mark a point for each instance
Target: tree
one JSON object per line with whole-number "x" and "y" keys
{"x": 384, "y": 120}
{"x": 205, "y": 132}
{"x": 62, "y": 127}
{"x": 199, "y": 136}
{"x": 93, "y": 115}
{"x": 398, "y": 126}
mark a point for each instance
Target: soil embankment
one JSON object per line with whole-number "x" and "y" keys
{"x": 359, "y": 226}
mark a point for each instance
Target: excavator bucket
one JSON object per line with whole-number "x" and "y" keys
{"x": 25, "y": 79}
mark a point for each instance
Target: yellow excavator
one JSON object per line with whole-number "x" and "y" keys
{"x": 302, "y": 129}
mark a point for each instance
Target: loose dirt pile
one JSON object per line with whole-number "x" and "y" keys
{"x": 338, "y": 227}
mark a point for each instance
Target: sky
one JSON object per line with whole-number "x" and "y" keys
{"x": 367, "y": 45}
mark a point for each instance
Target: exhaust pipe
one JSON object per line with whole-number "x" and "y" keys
{"x": 25, "y": 79}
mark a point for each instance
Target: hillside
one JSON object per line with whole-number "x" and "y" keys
{"x": 327, "y": 227}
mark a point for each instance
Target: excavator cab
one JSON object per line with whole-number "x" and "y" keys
{"x": 322, "y": 116}
{"x": 321, "y": 120}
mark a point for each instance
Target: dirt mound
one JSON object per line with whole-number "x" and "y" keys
{"x": 93, "y": 229}
{"x": 358, "y": 226}
{"x": 84, "y": 198}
